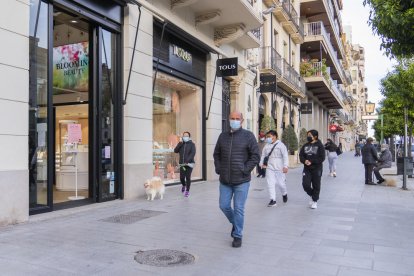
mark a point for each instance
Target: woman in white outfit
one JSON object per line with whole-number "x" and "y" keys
{"x": 332, "y": 156}
{"x": 276, "y": 161}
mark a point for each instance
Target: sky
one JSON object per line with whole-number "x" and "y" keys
{"x": 377, "y": 65}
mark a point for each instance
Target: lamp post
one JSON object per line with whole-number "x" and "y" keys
{"x": 370, "y": 108}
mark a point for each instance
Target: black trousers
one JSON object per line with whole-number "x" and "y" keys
{"x": 185, "y": 177}
{"x": 260, "y": 171}
{"x": 311, "y": 182}
{"x": 368, "y": 172}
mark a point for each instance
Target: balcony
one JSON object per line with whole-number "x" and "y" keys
{"x": 250, "y": 39}
{"x": 318, "y": 80}
{"x": 287, "y": 78}
{"x": 229, "y": 26}
{"x": 323, "y": 10}
{"x": 288, "y": 17}
{"x": 291, "y": 81}
{"x": 271, "y": 61}
{"x": 315, "y": 33}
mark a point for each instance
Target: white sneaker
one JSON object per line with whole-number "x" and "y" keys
{"x": 334, "y": 174}
{"x": 310, "y": 202}
{"x": 331, "y": 174}
{"x": 314, "y": 205}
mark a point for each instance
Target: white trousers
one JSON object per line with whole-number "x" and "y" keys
{"x": 275, "y": 178}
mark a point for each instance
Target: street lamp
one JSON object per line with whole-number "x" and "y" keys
{"x": 369, "y": 107}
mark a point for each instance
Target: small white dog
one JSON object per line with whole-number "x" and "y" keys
{"x": 154, "y": 186}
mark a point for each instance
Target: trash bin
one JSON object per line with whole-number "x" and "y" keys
{"x": 400, "y": 165}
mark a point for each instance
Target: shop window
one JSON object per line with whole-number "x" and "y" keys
{"x": 38, "y": 101}
{"x": 177, "y": 107}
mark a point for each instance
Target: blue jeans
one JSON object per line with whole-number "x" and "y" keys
{"x": 239, "y": 195}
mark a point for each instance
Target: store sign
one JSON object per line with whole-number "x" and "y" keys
{"x": 181, "y": 53}
{"x": 306, "y": 108}
{"x": 227, "y": 67}
{"x": 71, "y": 68}
{"x": 267, "y": 83}
{"x": 180, "y": 59}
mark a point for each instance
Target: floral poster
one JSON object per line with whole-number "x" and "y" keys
{"x": 71, "y": 68}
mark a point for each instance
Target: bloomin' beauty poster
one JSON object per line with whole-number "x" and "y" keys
{"x": 71, "y": 68}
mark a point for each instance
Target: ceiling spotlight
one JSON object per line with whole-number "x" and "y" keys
{"x": 74, "y": 21}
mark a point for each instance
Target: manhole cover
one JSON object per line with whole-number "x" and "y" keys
{"x": 164, "y": 257}
{"x": 132, "y": 217}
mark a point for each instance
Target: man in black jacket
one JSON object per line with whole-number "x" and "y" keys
{"x": 235, "y": 156}
{"x": 369, "y": 159}
{"x": 312, "y": 155}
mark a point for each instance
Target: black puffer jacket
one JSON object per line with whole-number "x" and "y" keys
{"x": 236, "y": 154}
{"x": 369, "y": 154}
{"x": 187, "y": 152}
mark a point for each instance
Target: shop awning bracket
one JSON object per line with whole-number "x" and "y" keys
{"x": 158, "y": 56}
{"x": 133, "y": 52}
{"x": 212, "y": 92}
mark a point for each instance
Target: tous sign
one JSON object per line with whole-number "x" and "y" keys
{"x": 181, "y": 53}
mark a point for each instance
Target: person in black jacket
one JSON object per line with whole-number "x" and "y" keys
{"x": 235, "y": 156}
{"x": 312, "y": 155}
{"x": 187, "y": 151}
{"x": 369, "y": 159}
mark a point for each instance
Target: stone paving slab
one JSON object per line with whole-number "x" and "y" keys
{"x": 356, "y": 230}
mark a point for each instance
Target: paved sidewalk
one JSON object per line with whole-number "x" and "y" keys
{"x": 356, "y": 230}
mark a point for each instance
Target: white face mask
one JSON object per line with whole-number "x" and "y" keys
{"x": 262, "y": 139}
{"x": 269, "y": 140}
{"x": 186, "y": 138}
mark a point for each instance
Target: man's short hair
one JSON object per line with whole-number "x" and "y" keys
{"x": 272, "y": 132}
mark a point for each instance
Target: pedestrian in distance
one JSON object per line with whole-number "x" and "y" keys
{"x": 261, "y": 172}
{"x": 332, "y": 149}
{"x": 369, "y": 159}
{"x": 384, "y": 161}
{"x": 358, "y": 146}
{"x": 312, "y": 154}
{"x": 275, "y": 160}
{"x": 235, "y": 156}
{"x": 186, "y": 150}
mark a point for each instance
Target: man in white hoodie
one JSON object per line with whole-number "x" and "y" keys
{"x": 276, "y": 165}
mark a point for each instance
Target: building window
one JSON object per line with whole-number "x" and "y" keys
{"x": 354, "y": 75}
{"x": 177, "y": 107}
{"x": 285, "y": 50}
{"x": 354, "y": 91}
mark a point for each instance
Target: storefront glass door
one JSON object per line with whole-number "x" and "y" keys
{"x": 75, "y": 117}
{"x": 107, "y": 87}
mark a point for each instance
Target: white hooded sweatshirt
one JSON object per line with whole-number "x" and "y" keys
{"x": 279, "y": 158}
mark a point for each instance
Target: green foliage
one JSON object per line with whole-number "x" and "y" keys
{"x": 398, "y": 91}
{"x": 303, "y": 134}
{"x": 393, "y": 20}
{"x": 268, "y": 123}
{"x": 290, "y": 139}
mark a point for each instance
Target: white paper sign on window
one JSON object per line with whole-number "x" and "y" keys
{"x": 74, "y": 133}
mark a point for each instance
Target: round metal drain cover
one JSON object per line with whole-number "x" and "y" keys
{"x": 164, "y": 257}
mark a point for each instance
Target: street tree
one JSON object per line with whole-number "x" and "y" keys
{"x": 397, "y": 89}
{"x": 393, "y": 21}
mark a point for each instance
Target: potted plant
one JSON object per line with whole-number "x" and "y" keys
{"x": 267, "y": 124}
{"x": 303, "y": 137}
{"x": 290, "y": 139}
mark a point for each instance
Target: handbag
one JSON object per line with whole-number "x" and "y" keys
{"x": 338, "y": 151}
{"x": 266, "y": 159}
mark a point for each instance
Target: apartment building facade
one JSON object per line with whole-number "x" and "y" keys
{"x": 322, "y": 66}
